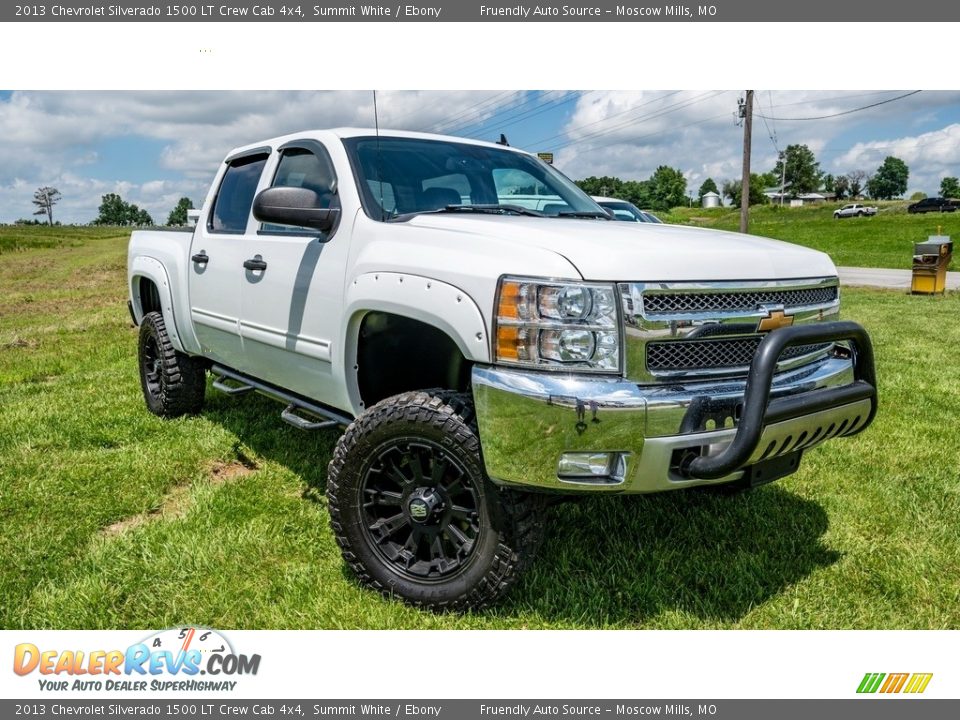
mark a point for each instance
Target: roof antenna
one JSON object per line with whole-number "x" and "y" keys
{"x": 376, "y": 124}
{"x": 503, "y": 140}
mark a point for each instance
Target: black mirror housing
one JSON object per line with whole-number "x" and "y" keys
{"x": 294, "y": 206}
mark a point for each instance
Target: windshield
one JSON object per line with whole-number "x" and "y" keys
{"x": 400, "y": 177}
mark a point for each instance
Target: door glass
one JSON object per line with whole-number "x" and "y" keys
{"x": 235, "y": 197}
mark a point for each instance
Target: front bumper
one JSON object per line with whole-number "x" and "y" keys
{"x": 673, "y": 436}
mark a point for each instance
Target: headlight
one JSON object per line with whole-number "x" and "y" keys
{"x": 557, "y": 325}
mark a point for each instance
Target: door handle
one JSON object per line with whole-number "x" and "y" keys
{"x": 201, "y": 257}
{"x": 256, "y": 263}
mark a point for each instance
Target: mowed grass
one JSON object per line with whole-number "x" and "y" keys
{"x": 112, "y": 517}
{"x": 885, "y": 240}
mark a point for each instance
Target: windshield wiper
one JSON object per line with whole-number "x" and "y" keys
{"x": 490, "y": 209}
{"x": 582, "y": 214}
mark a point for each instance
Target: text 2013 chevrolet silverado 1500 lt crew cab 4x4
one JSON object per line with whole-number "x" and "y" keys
{"x": 489, "y": 338}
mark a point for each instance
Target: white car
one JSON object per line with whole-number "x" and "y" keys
{"x": 626, "y": 211}
{"x": 484, "y": 354}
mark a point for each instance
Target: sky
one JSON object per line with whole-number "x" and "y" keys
{"x": 154, "y": 147}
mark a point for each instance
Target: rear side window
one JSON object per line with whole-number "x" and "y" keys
{"x": 235, "y": 196}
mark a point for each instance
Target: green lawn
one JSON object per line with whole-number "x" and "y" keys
{"x": 885, "y": 240}
{"x": 112, "y": 517}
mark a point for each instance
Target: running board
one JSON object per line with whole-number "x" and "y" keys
{"x": 289, "y": 415}
{"x": 295, "y": 404}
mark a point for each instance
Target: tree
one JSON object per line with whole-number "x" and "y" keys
{"x": 45, "y": 198}
{"x": 917, "y": 196}
{"x": 890, "y": 180}
{"x": 708, "y": 186}
{"x": 802, "y": 172}
{"x": 856, "y": 180}
{"x": 178, "y": 216}
{"x": 115, "y": 211}
{"x": 605, "y": 186}
{"x": 733, "y": 188}
{"x": 668, "y": 188}
{"x": 950, "y": 187}
{"x": 841, "y": 186}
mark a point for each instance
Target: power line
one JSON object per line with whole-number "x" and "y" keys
{"x": 845, "y": 112}
{"x": 643, "y": 118}
{"x": 519, "y": 113}
{"x": 609, "y": 117}
{"x": 474, "y": 109}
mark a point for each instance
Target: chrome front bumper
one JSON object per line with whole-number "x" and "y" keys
{"x": 528, "y": 419}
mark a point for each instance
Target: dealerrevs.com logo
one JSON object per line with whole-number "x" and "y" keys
{"x": 890, "y": 683}
{"x": 168, "y": 660}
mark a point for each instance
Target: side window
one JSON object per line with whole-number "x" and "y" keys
{"x": 303, "y": 168}
{"x": 235, "y": 196}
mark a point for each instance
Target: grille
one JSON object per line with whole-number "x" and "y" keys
{"x": 714, "y": 354}
{"x": 750, "y": 301}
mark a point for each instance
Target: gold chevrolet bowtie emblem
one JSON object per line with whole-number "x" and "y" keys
{"x": 775, "y": 320}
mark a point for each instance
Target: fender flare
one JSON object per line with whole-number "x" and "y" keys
{"x": 434, "y": 302}
{"x": 153, "y": 270}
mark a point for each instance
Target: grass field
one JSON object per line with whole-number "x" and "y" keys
{"x": 885, "y": 240}
{"x": 112, "y": 517}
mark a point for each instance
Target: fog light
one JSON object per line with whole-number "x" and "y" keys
{"x": 591, "y": 466}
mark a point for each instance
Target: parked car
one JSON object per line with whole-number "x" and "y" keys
{"x": 933, "y": 204}
{"x": 483, "y": 356}
{"x": 854, "y": 210}
{"x": 626, "y": 211}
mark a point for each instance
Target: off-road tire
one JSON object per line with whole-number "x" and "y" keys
{"x": 511, "y": 523}
{"x": 173, "y": 383}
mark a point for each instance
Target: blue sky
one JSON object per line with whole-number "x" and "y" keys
{"x": 153, "y": 147}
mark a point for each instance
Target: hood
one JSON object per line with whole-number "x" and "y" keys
{"x": 638, "y": 252}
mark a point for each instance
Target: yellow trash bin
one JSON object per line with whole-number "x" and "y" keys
{"x": 930, "y": 262}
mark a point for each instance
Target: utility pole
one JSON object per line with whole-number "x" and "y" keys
{"x": 746, "y": 113}
{"x": 783, "y": 175}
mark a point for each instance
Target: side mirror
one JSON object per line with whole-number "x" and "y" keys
{"x": 294, "y": 206}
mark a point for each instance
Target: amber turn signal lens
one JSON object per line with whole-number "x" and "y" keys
{"x": 508, "y": 340}
{"x": 509, "y": 300}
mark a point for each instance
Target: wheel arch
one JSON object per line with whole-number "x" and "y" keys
{"x": 418, "y": 302}
{"x": 150, "y": 291}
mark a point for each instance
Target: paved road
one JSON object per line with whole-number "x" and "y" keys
{"x": 886, "y": 278}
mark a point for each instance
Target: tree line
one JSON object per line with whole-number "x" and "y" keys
{"x": 113, "y": 210}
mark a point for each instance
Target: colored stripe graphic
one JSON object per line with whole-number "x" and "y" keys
{"x": 870, "y": 682}
{"x": 918, "y": 683}
{"x": 894, "y": 683}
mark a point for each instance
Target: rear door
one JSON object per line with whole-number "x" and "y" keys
{"x": 217, "y": 260}
{"x": 291, "y": 308}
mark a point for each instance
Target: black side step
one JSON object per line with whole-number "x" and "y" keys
{"x": 242, "y": 384}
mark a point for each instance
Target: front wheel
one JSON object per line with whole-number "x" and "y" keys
{"x": 414, "y": 513}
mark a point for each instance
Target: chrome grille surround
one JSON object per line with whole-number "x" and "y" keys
{"x": 711, "y": 326}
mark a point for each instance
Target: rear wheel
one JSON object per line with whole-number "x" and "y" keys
{"x": 415, "y": 514}
{"x": 173, "y": 383}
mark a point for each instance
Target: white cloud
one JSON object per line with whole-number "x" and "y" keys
{"x": 54, "y": 138}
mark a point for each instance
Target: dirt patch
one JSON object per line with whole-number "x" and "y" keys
{"x": 19, "y": 342}
{"x": 176, "y": 502}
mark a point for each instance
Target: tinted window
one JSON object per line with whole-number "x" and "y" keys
{"x": 232, "y": 206}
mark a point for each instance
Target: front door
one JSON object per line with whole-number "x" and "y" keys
{"x": 291, "y": 306}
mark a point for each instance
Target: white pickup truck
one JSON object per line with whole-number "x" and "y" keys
{"x": 491, "y": 341}
{"x": 853, "y": 210}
